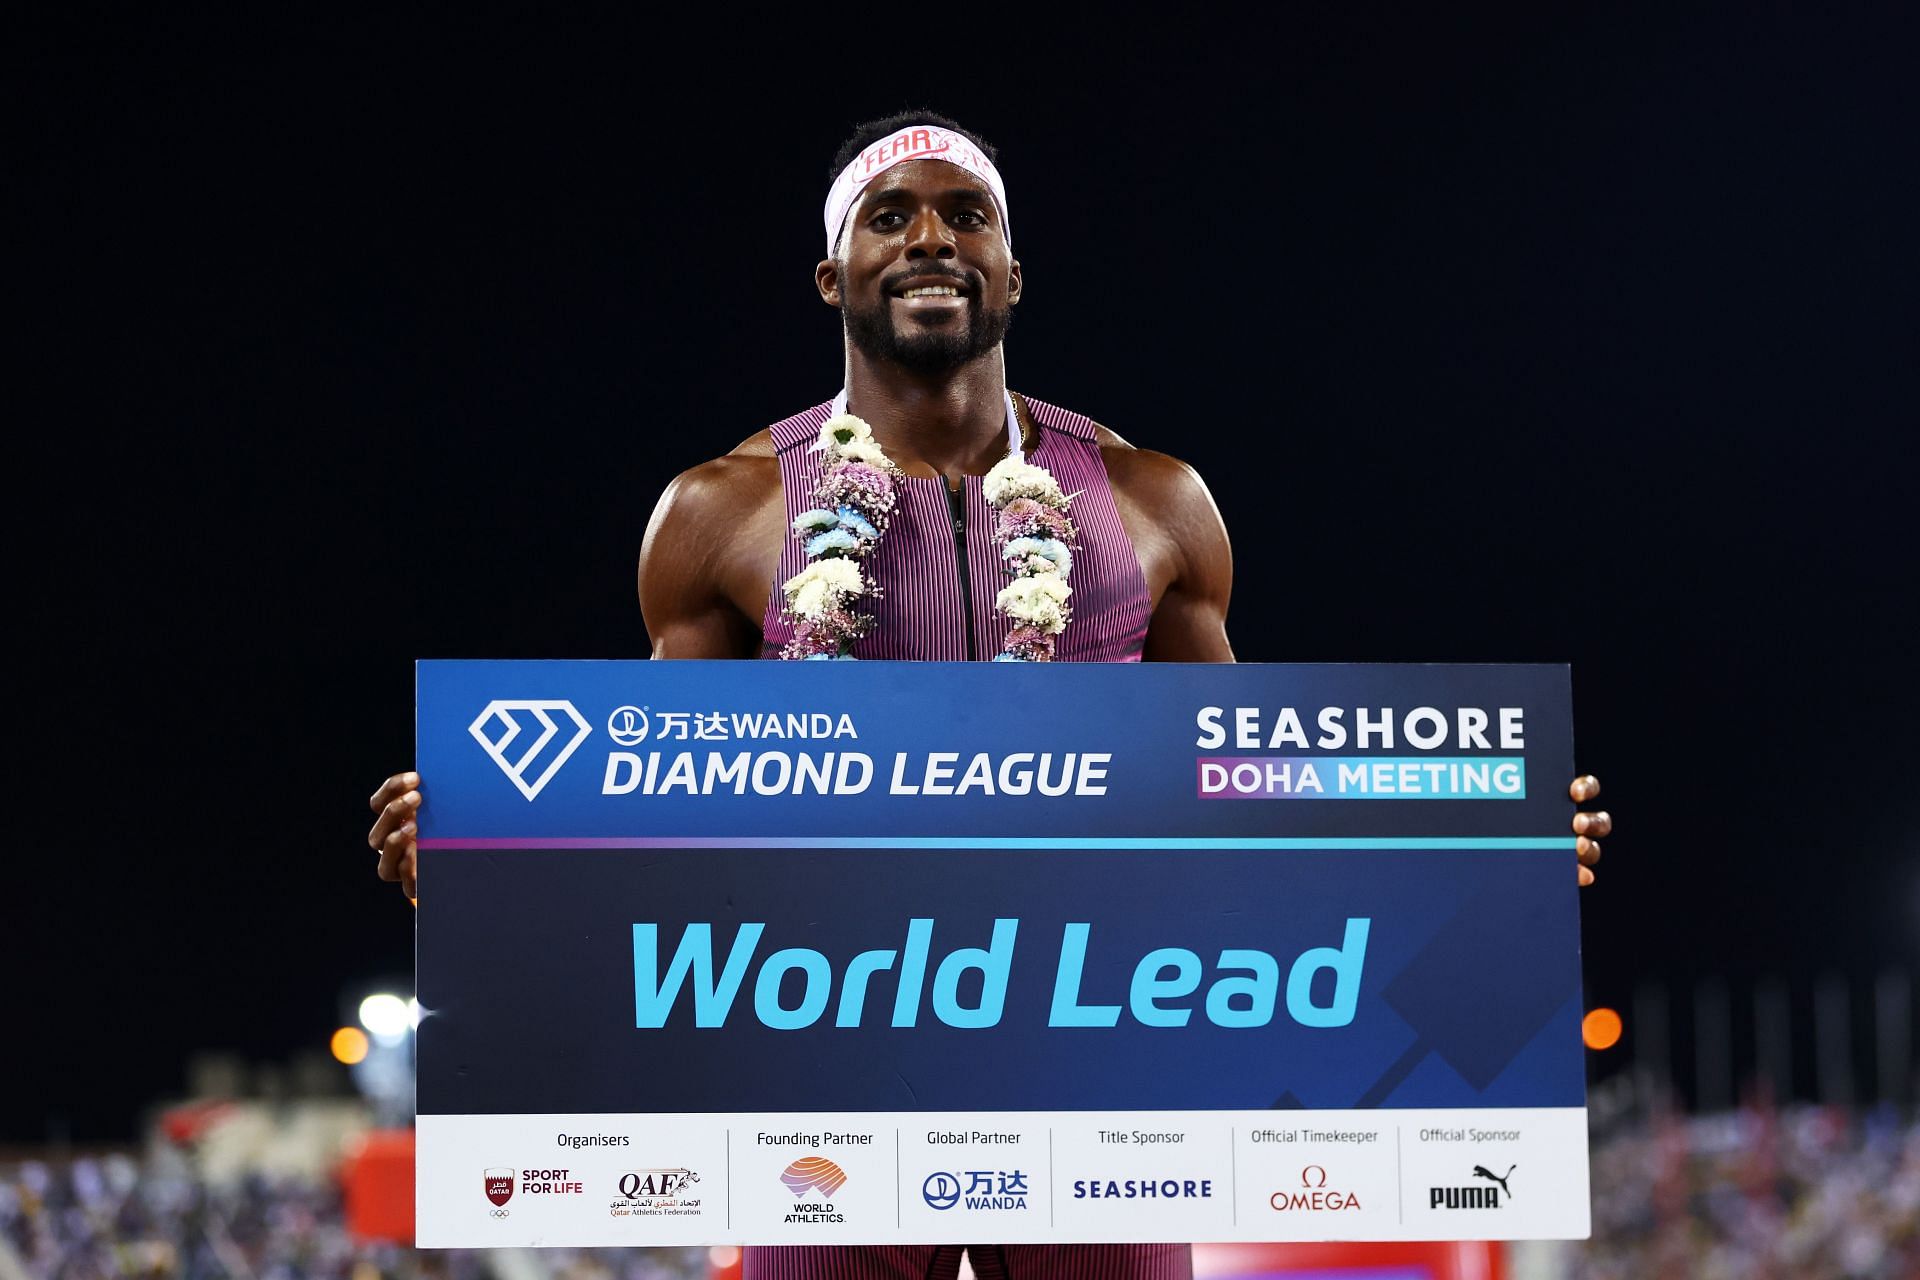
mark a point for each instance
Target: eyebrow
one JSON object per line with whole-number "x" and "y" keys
{"x": 891, "y": 194}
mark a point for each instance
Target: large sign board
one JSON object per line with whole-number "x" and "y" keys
{"x": 923, "y": 952}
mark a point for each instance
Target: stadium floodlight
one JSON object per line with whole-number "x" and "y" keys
{"x": 413, "y": 1012}
{"x": 386, "y": 1016}
{"x": 349, "y": 1045}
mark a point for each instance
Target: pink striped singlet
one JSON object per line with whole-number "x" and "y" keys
{"x": 939, "y": 568}
{"x": 940, "y": 572}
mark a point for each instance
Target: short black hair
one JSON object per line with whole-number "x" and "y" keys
{"x": 865, "y": 135}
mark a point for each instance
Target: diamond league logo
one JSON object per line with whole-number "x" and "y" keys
{"x": 512, "y": 718}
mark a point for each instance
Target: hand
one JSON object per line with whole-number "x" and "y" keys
{"x": 1588, "y": 827}
{"x": 397, "y": 806}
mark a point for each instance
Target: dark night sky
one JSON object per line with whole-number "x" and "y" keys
{"x": 1526, "y": 335}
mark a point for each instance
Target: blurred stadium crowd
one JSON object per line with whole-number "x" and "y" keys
{"x": 1814, "y": 1193}
{"x": 156, "y": 1218}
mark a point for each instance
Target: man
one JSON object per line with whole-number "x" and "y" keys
{"x": 920, "y": 265}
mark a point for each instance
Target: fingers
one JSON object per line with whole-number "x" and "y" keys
{"x": 397, "y": 851}
{"x": 1584, "y": 788}
{"x": 1587, "y": 851}
{"x": 395, "y": 803}
{"x": 395, "y": 834}
{"x": 391, "y": 789}
{"x": 1586, "y": 877}
{"x": 1593, "y": 824}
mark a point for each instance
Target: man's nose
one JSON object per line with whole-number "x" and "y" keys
{"x": 929, "y": 237}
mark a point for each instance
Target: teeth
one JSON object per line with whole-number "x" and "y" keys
{"x": 936, "y": 291}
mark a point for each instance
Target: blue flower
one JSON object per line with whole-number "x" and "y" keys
{"x": 1050, "y": 549}
{"x": 831, "y": 540}
{"x": 850, "y": 518}
{"x": 815, "y": 520}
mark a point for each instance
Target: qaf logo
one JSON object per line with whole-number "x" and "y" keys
{"x": 512, "y": 718}
{"x": 656, "y": 1193}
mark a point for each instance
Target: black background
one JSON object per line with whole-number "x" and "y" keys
{"x": 1546, "y": 334}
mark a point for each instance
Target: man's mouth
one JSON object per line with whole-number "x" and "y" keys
{"x": 931, "y": 291}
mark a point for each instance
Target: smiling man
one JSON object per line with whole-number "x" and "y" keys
{"x": 920, "y": 265}
{"x": 919, "y": 262}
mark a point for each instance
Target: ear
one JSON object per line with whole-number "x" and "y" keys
{"x": 826, "y": 278}
{"x": 1013, "y": 282}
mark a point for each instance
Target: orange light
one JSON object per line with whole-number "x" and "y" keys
{"x": 349, "y": 1045}
{"x": 1600, "y": 1029}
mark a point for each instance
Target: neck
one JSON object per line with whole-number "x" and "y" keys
{"x": 952, "y": 423}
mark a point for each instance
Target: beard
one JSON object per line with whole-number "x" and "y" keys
{"x": 926, "y": 351}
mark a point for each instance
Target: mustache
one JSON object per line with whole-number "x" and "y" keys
{"x": 929, "y": 271}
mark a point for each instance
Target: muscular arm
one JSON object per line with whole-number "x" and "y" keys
{"x": 1183, "y": 549}
{"x": 1190, "y": 622}
{"x": 691, "y": 562}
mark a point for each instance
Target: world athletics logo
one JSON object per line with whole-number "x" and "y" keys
{"x": 814, "y": 1173}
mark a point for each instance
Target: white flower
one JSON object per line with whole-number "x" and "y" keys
{"x": 1012, "y": 478}
{"x": 1039, "y": 555}
{"x": 867, "y": 451}
{"x": 1040, "y": 600}
{"x": 842, "y": 430}
{"x": 821, "y": 586}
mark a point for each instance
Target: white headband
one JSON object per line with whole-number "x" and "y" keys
{"x": 915, "y": 142}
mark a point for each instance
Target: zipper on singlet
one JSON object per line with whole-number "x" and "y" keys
{"x": 955, "y": 503}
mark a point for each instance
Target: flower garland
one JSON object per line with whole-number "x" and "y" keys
{"x": 857, "y": 494}
{"x": 1037, "y": 542}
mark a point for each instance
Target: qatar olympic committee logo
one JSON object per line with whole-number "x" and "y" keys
{"x": 501, "y": 725}
{"x": 499, "y": 1186}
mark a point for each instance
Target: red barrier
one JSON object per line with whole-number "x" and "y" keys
{"x": 1456, "y": 1260}
{"x": 378, "y": 1178}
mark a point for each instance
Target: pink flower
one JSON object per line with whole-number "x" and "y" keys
{"x": 1018, "y": 517}
{"x": 1029, "y": 644}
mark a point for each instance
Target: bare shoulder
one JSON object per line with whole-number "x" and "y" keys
{"x": 1157, "y": 483}
{"x": 1183, "y": 548}
{"x": 709, "y": 554}
{"x": 703, "y": 496}
{"x": 757, "y": 445}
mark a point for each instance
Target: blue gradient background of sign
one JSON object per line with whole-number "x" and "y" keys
{"x": 1470, "y": 996}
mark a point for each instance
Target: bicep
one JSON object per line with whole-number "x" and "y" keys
{"x": 1190, "y": 622}
{"x": 683, "y": 600}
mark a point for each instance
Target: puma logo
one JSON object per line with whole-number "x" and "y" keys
{"x": 1481, "y": 1171}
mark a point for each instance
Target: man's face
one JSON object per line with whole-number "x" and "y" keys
{"x": 924, "y": 279}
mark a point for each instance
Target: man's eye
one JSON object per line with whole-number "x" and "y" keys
{"x": 971, "y": 217}
{"x": 888, "y": 218}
